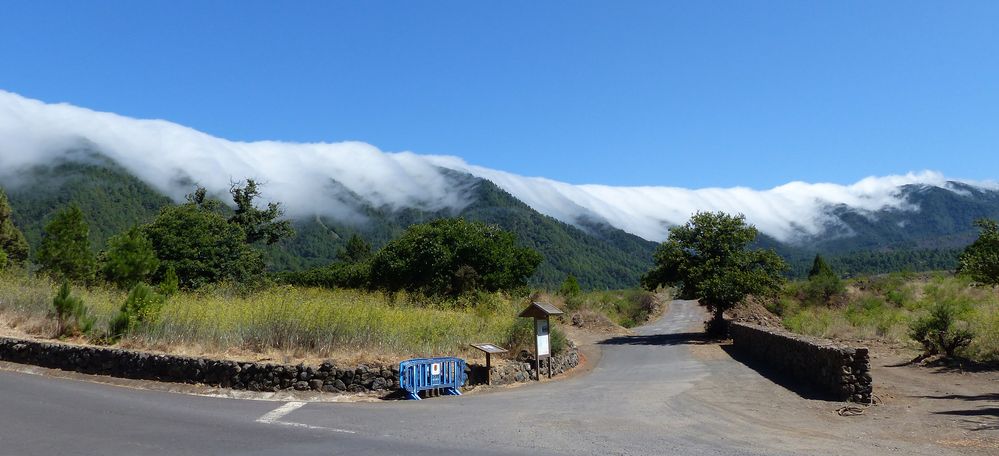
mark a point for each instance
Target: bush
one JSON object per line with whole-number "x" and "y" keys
{"x": 170, "y": 283}
{"x": 449, "y": 257}
{"x": 820, "y": 289}
{"x": 941, "y": 332}
{"x": 570, "y": 287}
{"x": 71, "y": 314}
{"x": 142, "y": 307}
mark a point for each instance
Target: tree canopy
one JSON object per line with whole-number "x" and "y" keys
{"x": 201, "y": 246}
{"x": 707, "y": 258}
{"x": 448, "y": 257}
{"x": 128, "y": 259}
{"x": 13, "y": 246}
{"x": 980, "y": 260}
{"x": 355, "y": 251}
{"x": 260, "y": 225}
{"x": 65, "y": 251}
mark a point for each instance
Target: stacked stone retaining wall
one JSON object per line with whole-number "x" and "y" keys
{"x": 841, "y": 371}
{"x": 516, "y": 372}
{"x": 253, "y": 376}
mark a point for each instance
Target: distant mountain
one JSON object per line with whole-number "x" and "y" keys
{"x": 937, "y": 223}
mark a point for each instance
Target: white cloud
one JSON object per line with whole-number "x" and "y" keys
{"x": 300, "y": 175}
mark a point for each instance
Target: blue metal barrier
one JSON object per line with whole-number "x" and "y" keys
{"x": 446, "y": 374}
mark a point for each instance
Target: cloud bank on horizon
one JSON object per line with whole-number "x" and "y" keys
{"x": 317, "y": 178}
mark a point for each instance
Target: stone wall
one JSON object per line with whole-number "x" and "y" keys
{"x": 841, "y": 371}
{"x": 504, "y": 373}
{"x": 180, "y": 369}
{"x": 252, "y": 376}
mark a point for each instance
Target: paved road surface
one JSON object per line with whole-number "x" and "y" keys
{"x": 652, "y": 393}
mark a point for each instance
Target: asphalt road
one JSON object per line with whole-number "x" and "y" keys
{"x": 651, "y": 393}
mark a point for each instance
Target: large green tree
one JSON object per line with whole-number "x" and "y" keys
{"x": 448, "y": 257}
{"x": 260, "y": 225}
{"x": 13, "y": 246}
{"x": 128, "y": 259}
{"x": 980, "y": 260}
{"x": 201, "y": 246}
{"x": 708, "y": 259}
{"x": 65, "y": 251}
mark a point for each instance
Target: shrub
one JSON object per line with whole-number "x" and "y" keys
{"x": 941, "y": 332}
{"x": 570, "y": 287}
{"x": 71, "y": 314}
{"x": 142, "y": 307}
{"x": 170, "y": 283}
{"x": 820, "y": 289}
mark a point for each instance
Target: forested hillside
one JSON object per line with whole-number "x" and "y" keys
{"x": 599, "y": 255}
{"x": 113, "y": 200}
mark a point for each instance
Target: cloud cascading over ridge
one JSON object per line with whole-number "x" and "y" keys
{"x": 311, "y": 179}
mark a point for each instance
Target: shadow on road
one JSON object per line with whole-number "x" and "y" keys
{"x": 981, "y": 418}
{"x": 803, "y": 390}
{"x": 976, "y": 397}
{"x": 661, "y": 339}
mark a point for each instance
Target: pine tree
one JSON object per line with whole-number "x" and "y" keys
{"x": 13, "y": 246}
{"x": 819, "y": 267}
{"x": 65, "y": 250}
{"x": 356, "y": 250}
{"x": 129, "y": 259}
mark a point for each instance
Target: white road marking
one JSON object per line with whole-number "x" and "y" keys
{"x": 274, "y": 417}
{"x": 278, "y": 413}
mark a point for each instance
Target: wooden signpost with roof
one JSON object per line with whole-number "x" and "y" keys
{"x": 541, "y": 312}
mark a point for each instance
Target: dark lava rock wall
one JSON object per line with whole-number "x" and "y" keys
{"x": 843, "y": 372}
{"x": 180, "y": 369}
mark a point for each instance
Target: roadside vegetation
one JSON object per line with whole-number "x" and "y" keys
{"x": 901, "y": 308}
{"x": 193, "y": 281}
{"x": 945, "y": 314}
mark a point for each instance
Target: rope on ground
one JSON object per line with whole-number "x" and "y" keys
{"x": 850, "y": 410}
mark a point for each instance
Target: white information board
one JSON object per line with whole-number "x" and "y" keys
{"x": 542, "y": 328}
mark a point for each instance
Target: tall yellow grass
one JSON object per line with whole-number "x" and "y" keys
{"x": 309, "y": 321}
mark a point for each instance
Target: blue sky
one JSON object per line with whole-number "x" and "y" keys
{"x": 692, "y": 94}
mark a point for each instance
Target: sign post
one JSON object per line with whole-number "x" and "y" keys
{"x": 541, "y": 312}
{"x": 489, "y": 349}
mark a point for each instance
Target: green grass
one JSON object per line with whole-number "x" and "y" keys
{"x": 882, "y": 308}
{"x": 628, "y": 308}
{"x": 308, "y": 322}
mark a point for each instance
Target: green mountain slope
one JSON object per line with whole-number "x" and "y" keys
{"x": 599, "y": 255}
{"x": 111, "y": 199}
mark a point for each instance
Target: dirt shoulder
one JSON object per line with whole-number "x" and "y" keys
{"x": 941, "y": 407}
